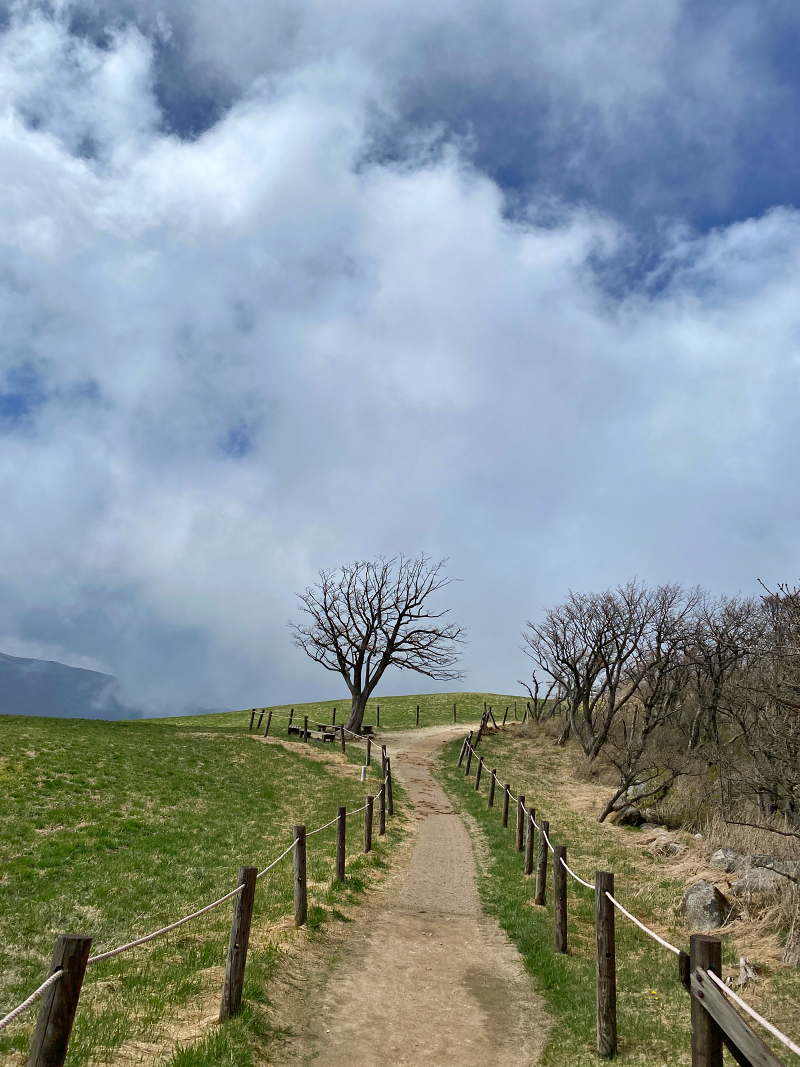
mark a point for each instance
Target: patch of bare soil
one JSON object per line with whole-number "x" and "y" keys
{"x": 423, "y": 976}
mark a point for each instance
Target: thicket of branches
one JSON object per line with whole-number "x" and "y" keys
{"x": 667, "y": 682}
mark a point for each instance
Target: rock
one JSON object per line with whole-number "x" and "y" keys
{"x": 728, "y": 860}
{"x": 698, "y": 837}
{"x": 627, "y": 816}
{"x": 648, "y": 827}
{"x": 788, "y": 868}
{"x": 761, "y": 884}
{"x": 760, "y": 860}
{"x": 674, "y": 849}
{"x": 704, "y": 906}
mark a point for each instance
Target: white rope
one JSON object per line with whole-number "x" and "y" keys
{"x": 357, "y": 810}
{"x": 647, "y": 930}
{"x": 278, "y": 860}
{"x": 547, "y": 839}
{"x": 577, "y": 877}
{"x": 754, "y": 1014}
{"x": 164, "y": 929}
{"x": 319, "y": 829}
{"x": 12, "y": 1015}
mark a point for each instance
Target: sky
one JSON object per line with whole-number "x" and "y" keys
{"x": 512, "y": 283}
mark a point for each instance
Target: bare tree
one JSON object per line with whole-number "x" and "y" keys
{"x": 371, "y": 615}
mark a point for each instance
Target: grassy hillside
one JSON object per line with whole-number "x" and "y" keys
{"x": 397, "y": 713}
{"x": 652, "y": 1006}
{"x": 117, "y": 828}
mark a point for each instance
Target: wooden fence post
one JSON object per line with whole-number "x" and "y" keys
{"x": 529, "y": 843}
{"x": 291, "y": 716}
{"x": 378, "y": 716}
{"x": 492, "y": 784}
{"x": 237, "y": 944}
{"x": 606, "y": 965}
{"x": 341, "y": 731}
{"x": 252, "y": 716}
{"x": 333, "y": 720}
{"x": 417, "y": 714}
{"x": 389, "y": 797}
{"x": 382, "y": 811}
{"x": 305, "y": 728}
{"x": 469, "y": 760}
{"x": 57, "y": 1009}
{"x": 369, "y": 750}
{"x": 368, "y": 824}
{"x": 541, "y": 863}
{"x": 260, "y": 720}
{"x": 559, "y": 899}
{"x": 454, "y": 713}
{"x": 341, "y": 832}
{"x": 520, "y": 836}
{"x": 506, "y": 798}
{"x": 478, "y": 774}
{"x": 705, "y": 952}
{"x": 467, "y": 741}
{"x": 300, "y": 885}
{"x": 505, "y": 717}
{"x": 383, "y": 761}
{"x": 266, "y": 728}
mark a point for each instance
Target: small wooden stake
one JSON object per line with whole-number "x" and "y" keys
{"x": 541, "y": 863}
{"x": 341, "y": 832}
{"x": 341, "y": 731}
{"x": 417, "y": 714}
{"x": 260, "y": 719}
{"x": 291, "y": 716}
{"x": 478, "y": 774}
{"x": 454, "y": 713}
{"x": 382, "y": 811}
{"x": 333, "y": 720}
{"x": 515, "y": 709}
{"x": 269, "y": 721}
{"x": 57, "y": 1008}
{"x": 559, "y": 899}
{"x": 378, "y": 716}
{"x": 506, "y": 798}
{"x": 705, "y": 952}
{"x": 369, "y": 751}
{"x": 469, "y": 760}
{"x": 368, "y": 824}
{"x": 529, "y": 843}
{"x": 252, "y": 716}
{"x": 305, "y": 728}
{"x": 300, "y": 886}
{"x": 237, "y": 944}
{"x": 520, "y": 836}
{"x": 606, "y": 965}
{"x": 389, "y": 797}
{"x": 492, "y": 783}
{"x": 505, "y": 717}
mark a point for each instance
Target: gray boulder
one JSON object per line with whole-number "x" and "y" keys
{"x": 787, "y": 868}
{"x": 759, "y": 859}
{"x": 704, "y": 906}
{"x": 674, "y": 848}
{"x": 728, "y": 860}
{"x": 760, "y": 884}
{"x": 627, "y": 816}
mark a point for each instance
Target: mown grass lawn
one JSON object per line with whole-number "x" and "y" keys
{"x": 397, "y": 713}
{"x": 117, "y": 828}
{"x": 653, "y": 1008}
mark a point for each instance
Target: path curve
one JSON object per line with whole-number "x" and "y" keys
{"x": 429, "y": 979}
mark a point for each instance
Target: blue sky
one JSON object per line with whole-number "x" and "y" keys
{"x": 285, "y": 285}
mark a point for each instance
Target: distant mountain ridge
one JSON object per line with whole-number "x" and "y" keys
{"x": 44, "y": 687}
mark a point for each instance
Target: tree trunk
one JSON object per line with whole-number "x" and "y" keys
{"x": 357, "y": 709}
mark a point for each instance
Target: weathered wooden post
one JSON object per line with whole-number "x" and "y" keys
{"x": 389, "y": 796}
{"x": 269, "y": 721}
{"x": 606, "y": 965}
{"x": 506, "y": 798}
{"x": 541, "y": 863}
{"x": 260, "y": 719}
{"x": 383, "y": 761}
{"x": 341, "y": 731}
{"x": 291, "y": 716}
{"x": 300, "y": 885}
{"x": 333, "y": 720}
{"x": 305, "y": 728}
{"x": 368, "y": 824}
{"x": 382, "y": 811}
{"x": 520, "y": 835}
{"x": 469, "y": 759}
{"x": 529, "y": 842}
{"x": 559, "y": 898}
{"x": 59, "y": 1002}
{"x": 467, "y": 741}
{"x": 417, "y": 714}
{"x": 454, "y": 713}
{"x": 369, "y": 750}
{"x": 505, "y": 716}
{"x": 237, "y": 944}
{"x": 492, "y": 783}
{"x": 252, "y": 717}
{"x": 478, "y": 774}
{"x": 341, "y": 832}
{"x": 705, "y": 952}
{"x": 378, "y": 716}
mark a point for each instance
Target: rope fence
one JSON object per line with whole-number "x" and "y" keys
{"x": 714, "y": 1019}
{"x": 71, "y": 955}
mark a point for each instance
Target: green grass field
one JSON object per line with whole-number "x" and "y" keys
{"x": 653, "y": 1008}
{"x": 397, "y": 713}
{"x": 116, "y": 828}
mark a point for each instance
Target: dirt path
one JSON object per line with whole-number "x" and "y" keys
{"x": 427, "y": 979}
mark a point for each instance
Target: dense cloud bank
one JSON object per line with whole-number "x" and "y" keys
{"x": 270, "y": 302}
